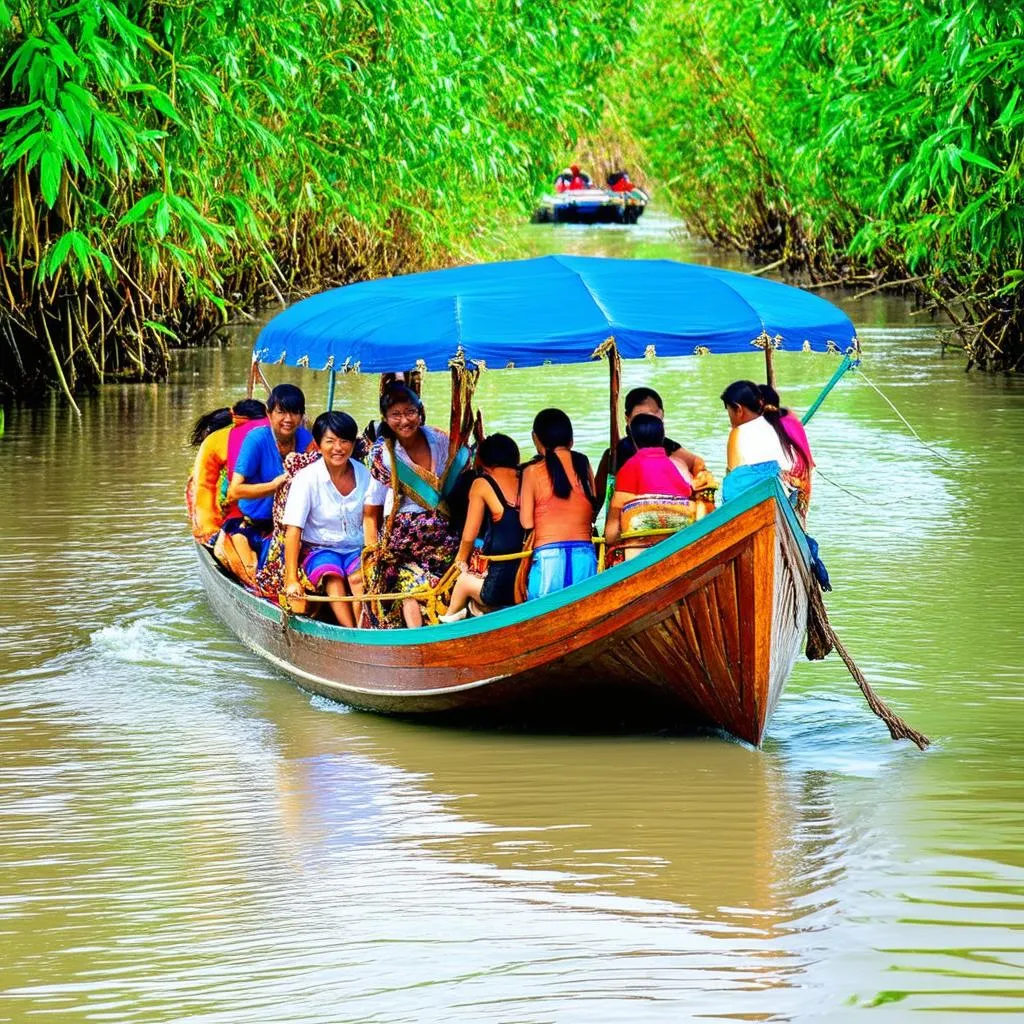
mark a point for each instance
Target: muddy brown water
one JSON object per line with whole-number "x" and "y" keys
{"x": 185, "y": 835}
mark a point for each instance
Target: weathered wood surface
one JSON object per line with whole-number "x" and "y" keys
{"x": 706, "y": 633}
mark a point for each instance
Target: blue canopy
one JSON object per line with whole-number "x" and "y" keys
{"x": 553, "y": 309}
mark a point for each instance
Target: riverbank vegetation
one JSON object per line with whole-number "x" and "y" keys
{"x": 878, "y": 145}
{"x": 164, "y": 166}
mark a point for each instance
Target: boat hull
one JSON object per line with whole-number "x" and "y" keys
{"x": 701, "y": 629}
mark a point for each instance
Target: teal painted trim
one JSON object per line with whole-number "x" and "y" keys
{"x": 408, "y": 478}
{"x": 330, "y": 390}
{"x": 845, "y": 365}
{"x": 763, "y": 491}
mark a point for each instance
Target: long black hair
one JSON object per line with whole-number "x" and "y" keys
{"x": 397, "y": 394}
{"x": 747, "y": 394}
{"x": 207, "y": 424}
{"x": 553, "y": 429}
{"x": 772, "y": 411}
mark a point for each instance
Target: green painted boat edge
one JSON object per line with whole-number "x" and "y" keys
{"x": 762, "y": 491}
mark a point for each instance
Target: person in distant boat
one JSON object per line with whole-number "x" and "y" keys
{"x": 649, "y": 480}
{"x": 494, "y": 496}
{"x": 619, "y": 181}
{"x": 408, "y": 462}
{"x": 799, "y": 477}
{"x": 558, "y": 503}
{"x": 323, "y": 519}
{"x": 216, "y": 434}
{"x": 572, "y": 178}
{"x": 647, "y": 401}
{"x": 259, "y": 471}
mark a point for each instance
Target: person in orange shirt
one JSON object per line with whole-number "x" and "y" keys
{"x": 206, "y": 490}
{"x": 558, "y": 504}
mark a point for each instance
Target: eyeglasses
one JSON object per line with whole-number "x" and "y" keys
{"x": 395, "y": 414}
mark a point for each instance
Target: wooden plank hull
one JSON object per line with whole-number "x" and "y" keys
{"x": 702, "y": 629}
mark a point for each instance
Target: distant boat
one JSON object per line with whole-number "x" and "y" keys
{"x": 592, "y": 206}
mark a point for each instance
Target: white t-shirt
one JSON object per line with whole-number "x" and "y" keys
{"x": 327, "y": 517}
{"x": 758, "y": 442}
{"x": 438, "y": 441}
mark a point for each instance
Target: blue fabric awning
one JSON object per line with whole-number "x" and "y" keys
{"x": 553, "y": 309}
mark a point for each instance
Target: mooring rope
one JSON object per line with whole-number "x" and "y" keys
{"x": 821, "y": 638}
{"x": 906, "y": 422}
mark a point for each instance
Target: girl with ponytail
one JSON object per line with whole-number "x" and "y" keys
{"x": 558, "y": 504}
{"x": 794, "y": 439}
{"x": 753, "y": 439}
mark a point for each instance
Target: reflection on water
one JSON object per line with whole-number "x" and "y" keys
{"x": 188, "y": 836}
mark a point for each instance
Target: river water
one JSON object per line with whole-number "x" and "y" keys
{"x": 188, "y": 836}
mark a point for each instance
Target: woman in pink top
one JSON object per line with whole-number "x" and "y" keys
{"x": 799, "y": 477}
{"x": 650, "y": 472}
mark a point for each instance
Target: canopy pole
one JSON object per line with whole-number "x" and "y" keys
{"x": 769, "y": 366}
{"x": 847, "y": 364}
{"x": 614, "y": 380}
{"x": 330, "y": 390}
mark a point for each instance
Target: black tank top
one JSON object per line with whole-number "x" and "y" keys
{"x": 503, "y": 536}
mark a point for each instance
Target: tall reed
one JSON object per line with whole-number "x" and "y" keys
{"x": 164, "y": 165}
{"x": 876, "y": 144}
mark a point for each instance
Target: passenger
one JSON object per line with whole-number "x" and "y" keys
{"x": 207, "y": 488}
{"x": 558, "y": 504}
{"x": 647, "y": 401}
{"x": 799, "y": 476}
{"x": 259, "y": 471}
{"x": 495, "y": 493}
{"x": 323, "y": 519}
{"x": 579, "y": 180}
{"x": 218, "y": 419}
{"x": 620, "y": 182}
{"x": 572, "y": 178}
{"x": 650, "y": 485}
{"x": 408, "y": 460}
{"x": 757, "y": 445}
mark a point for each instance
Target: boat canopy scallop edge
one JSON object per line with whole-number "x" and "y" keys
{"x": 548, "y": 310}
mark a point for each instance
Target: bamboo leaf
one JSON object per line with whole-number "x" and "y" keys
{"x": 51, "y": 167}
{"x": 979, "y": 160}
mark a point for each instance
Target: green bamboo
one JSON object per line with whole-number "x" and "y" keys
{"x": 878, "y": 145}
{"x": 165, "y": 165}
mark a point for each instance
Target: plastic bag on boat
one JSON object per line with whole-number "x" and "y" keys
{"x": 817, "y": 565}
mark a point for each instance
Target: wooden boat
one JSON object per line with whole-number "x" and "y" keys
{"x": 701, "y": 629}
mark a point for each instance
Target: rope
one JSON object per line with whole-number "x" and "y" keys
{"x": 821, "y": 638}
{"x": 846, "y": 490}
{"x": 921, "y": 440}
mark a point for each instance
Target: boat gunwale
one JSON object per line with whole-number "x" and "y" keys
{"x": 538, "y": 607}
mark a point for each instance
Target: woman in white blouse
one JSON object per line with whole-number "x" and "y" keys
{"x": 323, "y": 520}
{"x": 754, "y": 437}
